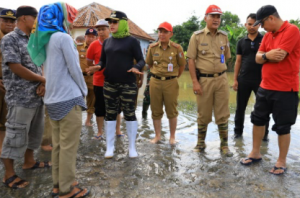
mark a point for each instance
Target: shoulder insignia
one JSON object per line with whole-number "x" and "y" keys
{"x": 199, "y": 31}
{"x": 175, "y": 45}
{"x": 79, "y": 44}
{"x": 154, "y": 44}
{"x": 223, "y": 32}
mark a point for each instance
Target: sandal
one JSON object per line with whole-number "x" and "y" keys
{"x": 253, "y": 160}
{"x": 37, "y": 165}
{"x": 100, "y": 137}
{"x": 15, "y": 185}
{"x": 53, "y": 194}
{"x": 77, "y": 193}
{"x": 278, "y": 168}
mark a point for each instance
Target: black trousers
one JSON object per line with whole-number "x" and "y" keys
{"x": 242, "y": 98}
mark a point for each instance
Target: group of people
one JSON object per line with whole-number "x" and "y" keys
{"x": 42, "y": 69}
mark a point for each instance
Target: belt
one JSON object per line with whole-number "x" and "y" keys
{"x": 85, "y": 74}
{"x": 212, "y": 75}
{"x": 163, "y": 78}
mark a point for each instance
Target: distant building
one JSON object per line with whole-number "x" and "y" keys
{"x": 154, "y": 36}
{"x": 88, "y": 16}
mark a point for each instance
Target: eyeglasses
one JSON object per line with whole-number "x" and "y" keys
{"x": 113, "y": 22}
{"x": 263, "y": 21}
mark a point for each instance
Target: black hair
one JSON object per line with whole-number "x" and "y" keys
{"x": 252, "y": 16}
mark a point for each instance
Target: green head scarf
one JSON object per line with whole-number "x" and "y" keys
{"x": 123, "y": 30}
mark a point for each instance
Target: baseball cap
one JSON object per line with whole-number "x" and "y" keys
{"x": 213, "y": 9}
{"x": 263, "y": 12}
{"x": 8, "y": 13}
{"x": 117, "y": 15}
{"x": 102, "y": 22}
{"x": 167, "y": 26}
{"x": 91, "y": 31}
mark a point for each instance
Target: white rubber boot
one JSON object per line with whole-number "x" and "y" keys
{"x": 131, "y": 127}
{"x": 110, "y": 127}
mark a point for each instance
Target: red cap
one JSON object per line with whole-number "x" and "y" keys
{"x": 213, "y": 9}
{"x": 167, "y": 26}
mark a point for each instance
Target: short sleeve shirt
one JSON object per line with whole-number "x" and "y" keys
{"x": 159, "y": 59}
{"x": 19, "y": 92}
{"x": 284, "y": 75}
{"x": 207, "y": 49}
{"x": 250, "y": 71}
{"x": 94, "y": 54}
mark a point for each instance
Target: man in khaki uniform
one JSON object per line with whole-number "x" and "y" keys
{"x": 166, "y": 60}
{"x": 7, "y": 24}
{"x": 90, "y": 36}
{"x": 207, "y": 52}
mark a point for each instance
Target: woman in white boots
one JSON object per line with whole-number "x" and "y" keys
{"x": 117, "y": 57}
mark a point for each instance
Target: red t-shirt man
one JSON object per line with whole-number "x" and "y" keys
{"x": 284, "y": 75}
{"x": 94, "y": 54}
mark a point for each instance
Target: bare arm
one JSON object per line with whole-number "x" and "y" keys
{"x": 25, "y": 73}
{"x": 237, "y": 68}
{"x": 196, "y": 85}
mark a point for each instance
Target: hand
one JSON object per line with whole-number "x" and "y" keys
{"x": 92, "y": 69}
{"x": 235, "y": 85}
{"x": 2, "y": 89}
{"x": 40, "y": 91}
{"x": 134, "y": 70}
{"x": 140, "y": 83}
{"x": 276, "y": 55}
{"x": 197, "y": 88}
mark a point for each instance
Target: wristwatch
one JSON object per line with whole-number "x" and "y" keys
{"x": 264, "y": 57}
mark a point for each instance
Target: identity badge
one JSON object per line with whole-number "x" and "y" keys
{"x": 170, "y": 67}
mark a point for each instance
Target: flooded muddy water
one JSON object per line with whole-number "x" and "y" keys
{"x": 167, "y": 171}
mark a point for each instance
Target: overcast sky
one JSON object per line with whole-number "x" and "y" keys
{"x": 148, "y": 14}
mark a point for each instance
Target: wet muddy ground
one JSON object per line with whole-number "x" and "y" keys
{"x": 162, "y": 170}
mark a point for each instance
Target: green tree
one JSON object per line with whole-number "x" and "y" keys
{"x": 295, "y": 22}
{"x": 183, "y": 32}
{"x": 227, "y": 18}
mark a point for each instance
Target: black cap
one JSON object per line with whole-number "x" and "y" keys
{"x": 117, "y": 15}
{"x": 91, "y": 31}
{"x": 264, "y": 12}
{"x": 8, "y": 13}
{"x": 26, "y": 10}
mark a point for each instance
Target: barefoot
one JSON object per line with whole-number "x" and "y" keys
{"x": 172, "y": 141}
{"x": 47, "y": 147}
{"x": 155, "y": 140}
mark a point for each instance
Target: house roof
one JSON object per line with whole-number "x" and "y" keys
{"x": 88, "y": 16}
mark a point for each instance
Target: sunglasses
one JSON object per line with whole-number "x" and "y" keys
{"x": 113, "y": 22}
{"x": 252, "y": 45}
{"x": 263, "y": 21}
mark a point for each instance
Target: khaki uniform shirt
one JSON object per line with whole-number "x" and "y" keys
{"x": 159, "y": 59}
{"x": 82, "y": 48}
{"x": 206, "y": 50}
{"x": 1, "y": 35}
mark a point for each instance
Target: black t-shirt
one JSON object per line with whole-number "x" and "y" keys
{"x": 117, "y": 57}
{"x": 250, "y": 71}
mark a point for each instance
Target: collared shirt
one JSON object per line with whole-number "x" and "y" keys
{"x": 1, "y": 36}
{"x": 284, "y": 75}
{"x": 250, "y": 71}
{"x": 159, "y": 59}
{"x": 19, "y": 92}
{"x": 82, "y": 50}
{"x": 206, "y": 49}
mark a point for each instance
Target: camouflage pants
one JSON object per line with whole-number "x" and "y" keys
{"x": 123, "y": 94}
{"x": 146, "y": 100}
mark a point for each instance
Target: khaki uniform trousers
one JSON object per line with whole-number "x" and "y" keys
{"x": 215, "y": 97}
{"x": 3, "y": 112}
{"x": 65, "y": 140}
{"x": 164, "y": 92}
{"x": 47, "y": 135}
{"x": 90, "y": 101}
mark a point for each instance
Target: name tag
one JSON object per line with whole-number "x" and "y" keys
{"x": 82, "y": 50}
{"x": 204, "y": 44}
{"x": 155, "y": 54}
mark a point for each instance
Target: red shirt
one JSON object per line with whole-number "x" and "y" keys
{"x": 282, "y": 76}
{"x": 94, "y": 53}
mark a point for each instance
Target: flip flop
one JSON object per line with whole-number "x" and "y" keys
{"x": 278, "y": 168}
{"x": 80, "y": 190}
{"x": 120, "y": 135}
{"x": 253, "y": 160}
{"x": 56, "y": 186}
{"x": 100, "y": 137}
{"x": 37, "y": 165}
{"x": 15, "y": 185}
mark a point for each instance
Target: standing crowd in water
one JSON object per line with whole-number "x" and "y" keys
{"x": 47, "y": 80}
